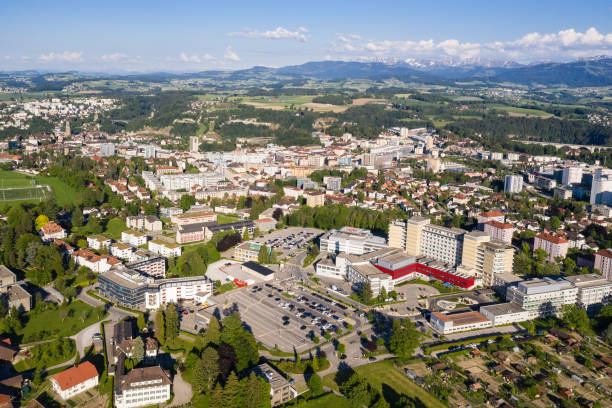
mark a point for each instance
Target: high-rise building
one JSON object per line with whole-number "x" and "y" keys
{"x": 68, "y": 131}
{"x": 194, "y": 144}
{"x": 603, "y": 263}
{"x": 601, "y": 187}
{"x": 513, "y": 184}
{"x": 554, "y": 246}
{"x": 485, "y": 257}
{"x": 571, "y": 175}
{"x": 443, "y": 244}
{"x": 406, "y": 234}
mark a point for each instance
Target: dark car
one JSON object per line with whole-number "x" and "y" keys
{"x": 372, "y": 358}
{"x": 286, "y": 322}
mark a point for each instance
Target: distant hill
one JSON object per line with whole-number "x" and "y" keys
{"x": 594, "y": 72}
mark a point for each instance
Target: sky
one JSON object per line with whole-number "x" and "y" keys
{"x": 190, "y": 35}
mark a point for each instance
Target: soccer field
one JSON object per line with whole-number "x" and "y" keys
{"x": 11, "y": 179}
{"x": 24, "y": 193}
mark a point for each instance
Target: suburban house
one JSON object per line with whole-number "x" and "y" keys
{"x": 75, "y": 380}
{"x": 52, "y": 231}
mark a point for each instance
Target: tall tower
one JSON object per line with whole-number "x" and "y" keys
{"x": 68, "y": 131}
{"x": 194, "y": 144}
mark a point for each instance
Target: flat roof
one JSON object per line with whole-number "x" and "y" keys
{"x": 590, "y": 279}
{"x": 501, "y": 309}
{"x": 260, "y": 269}
{"x": 461, "y": 319}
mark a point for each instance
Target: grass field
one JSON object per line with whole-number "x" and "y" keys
{"x": 522, "y": 111}
{"x": 48, "y": 355}
{"x": 114, "y": 228}
{"x": 11, "y": 179}
{"x": 226, "y": 219}
{"x": 52, "y": 323}
{"x": 383, "y": 373}
{"x": 325, "y": 401}
{"x": 64, "y": 193}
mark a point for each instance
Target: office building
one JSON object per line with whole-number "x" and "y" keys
{"x": 601, "y": 187}
{"x": 571, "y": 175}
{"x": 349, "y": 240}
{"x": 593, "y": 291}
{"x": 554, "y": 246}
{"x": 458, "y": 322}
{"x": 513, "y": 184}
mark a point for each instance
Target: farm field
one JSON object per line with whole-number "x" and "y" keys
{"x": 514, "y": 111}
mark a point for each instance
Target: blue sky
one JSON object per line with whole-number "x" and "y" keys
{"x": 185, "y": 35}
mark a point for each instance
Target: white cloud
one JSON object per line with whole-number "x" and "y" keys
{"x": 208, "y": 57}
{"x": 565, "y": 44}
{"x": 113, "y": 57}
{"x": 301, "y": 34}
{"x": 68, "y": 56}
{"x": 230, "y": 54}
{"x": 189, "y": 58}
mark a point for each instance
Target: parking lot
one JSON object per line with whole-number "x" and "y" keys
{"x": 287, "y": 322}
{"x": 290, "y": 240}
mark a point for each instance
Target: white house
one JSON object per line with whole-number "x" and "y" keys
{"x": 133, "y": 238}
{"x": 98, "y": 242}
{"x": 165, "y": 249}
{"x": 75, "y": 380}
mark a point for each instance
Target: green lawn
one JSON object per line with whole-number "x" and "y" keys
{"x": 48, "y": 355}
{"x": 114, "y": 228}
{"x": 64, "y": 193}
{"x": 522, "y": 111}
{"x": 11, "y": 179}
{"x": 383, "y": 373}
{"x": 52, "y": 323}
{"x": 226, "y": 219}
{"x": 325, "y": 401}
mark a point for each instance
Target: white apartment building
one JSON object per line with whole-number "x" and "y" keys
{"x": 571, "y": 175}
{"x": 98, "y": 242}
{"x": 499, "y": 231}
{"x": 603, "y": 263}
{"x": 165, "y": 249}
{"x": 554, "y": 246}
{"x": 121, "y": 251}
{"x": 513, "y": 184}
{"x": 133, "y": 238}
{"x": 441, "y": 243}
{"x": 75, "y": 380}
{"x": 542, "y": 297}
{"x": 601, "y": 187}
{"x": 351, "y": 240}
{"x": 142, "y": 387}
{"x": 188, "y": 180}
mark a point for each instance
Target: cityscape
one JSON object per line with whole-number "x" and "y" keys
{"x": 299, "y": 217}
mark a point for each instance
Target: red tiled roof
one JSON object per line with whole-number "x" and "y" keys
{"x": 551, "y": 238}
{"x": 75, "y": 375}
{"x": 499, "y": 225}
{"x": 51, "y": 228}
{"x": 605, "y": 252}
{"x": 491, "y": 214}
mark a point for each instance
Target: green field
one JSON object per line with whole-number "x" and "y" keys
{"x": 226, "y": 219}
{"x": 10, "y": 179}
{"x": 20, "y": 187}
{"x": 114, "y": 228}
{"x": 522, "y": 111}
{"x": 52, "y": 323}
{"x": 64, "y": 193}
{"x": 383, "y": 373}
{"x": 325, "y": 401}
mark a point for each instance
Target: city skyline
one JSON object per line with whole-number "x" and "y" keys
{"x": 146, "y": 37}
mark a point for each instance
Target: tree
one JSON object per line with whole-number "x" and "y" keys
{"x": 186, "y": 201}
{"x": 366, "y": 292}
{"x": 341, "y": 348}
{"x": 160, "y": 326}
{"x": 277, "y": 214}
{"x": 233, "y": 392}
{"x": 264, "y": 255}
{"x": 93, "y": 224}
{"x": 575, "y": 318}
{"x": 404, "y": 338}
{"x": 212, "y": 334}
{"x": 41, "y": 221}
{"x": 210, "y": 368}
{"x": 198, "y": 376}
{"x": 555, "y": 222}
{"x": 140, "y": 321}
{"x": 172, "y": 323}
{"x": 245, "y": 236}
{"x": 256, "y": 392}
{"x": 138, "y": 349}
{"x": 382, "y": 296}
{"x": 217, "y": 398}
{"x": 315, "y": 385}
{"x": 607, "y": 334}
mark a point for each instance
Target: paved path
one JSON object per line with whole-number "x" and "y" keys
{"x": 182, "y": 391}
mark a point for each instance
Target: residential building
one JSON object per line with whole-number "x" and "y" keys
{"x": 265, "y": 224}
{"x": 196, "y": 217}
{"x": 165, "y": 249}
{"x": 513, "y": 184}
{"x": 490, "y": 216}
{"x": 281, "y": 390}
{"x": 571, "y": 175}
{"x": 554, "y": 246}
{"x": 19, "y": 298}
{"x": 121, "y": 251}
{"x": 542, "y": 297}
{"x": 75, "y": 380}
{"x": 603, "y": 263}
{"x": 333, "y": 183}
{"x": 314, "y": 198}
{"x": 601, "y": 187}
{"x": 351, "y": 240}
{"x": 133, "y": 238}
{"x": 458, "y": 322}
{"x": 97, "y": 263}
{"x": 153, "y": 266}
{"x": 144, "y": 223}
{"x": 52, "y": 231}
{"x": 248, "y": 251}
{"x": 7, "y": 277}
{"x": 499, "y": 231}
{"x": 562, "y": 193}
{"x": 98, "y": 242}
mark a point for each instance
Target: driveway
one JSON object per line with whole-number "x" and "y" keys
{"x": 182, "y": 391}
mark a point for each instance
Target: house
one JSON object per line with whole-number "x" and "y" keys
{"x": 281, "y": 390}
{"x": 165, "y": 249}
{"x": 7, "y": 277}
{"x": 75, "y": 380}
{"x": 133, "y": 238}
{"x": 52, "y": 231}
{"x": 7, "y": 350}
{"x": 18, "y": 298}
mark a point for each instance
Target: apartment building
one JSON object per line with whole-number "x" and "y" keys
{"x": 281, "y": 390}
{"x": 121, "y": 251}
{"x": 490, "y": 216}
{"x": 499, "y": 231}
{"x": 98, "y": 242}
{"x": 603, "y": 262}
{"x": 195, "y": 217}
{"x": 133, "y": 238}
{"x": 153, "y": 266}
{"x": 571, "y": 175}
{"x": 141, "y": 386}
{"x": 513, "y": 184}
{"x": 52, "y": 231}
{"x": 349, "y": 240}
{"x": 554, "y": 246}
{"x": 75, "y": 380}
{"x": 601, "y": 187}
{"x": 248, "y": 251}
{"x": 165, "y": 249}
{"x": 542, "y": 297}
{"x": 97, "y": 263}
{"x": 314, "y": 198}
{"x": 144, "y": 223}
